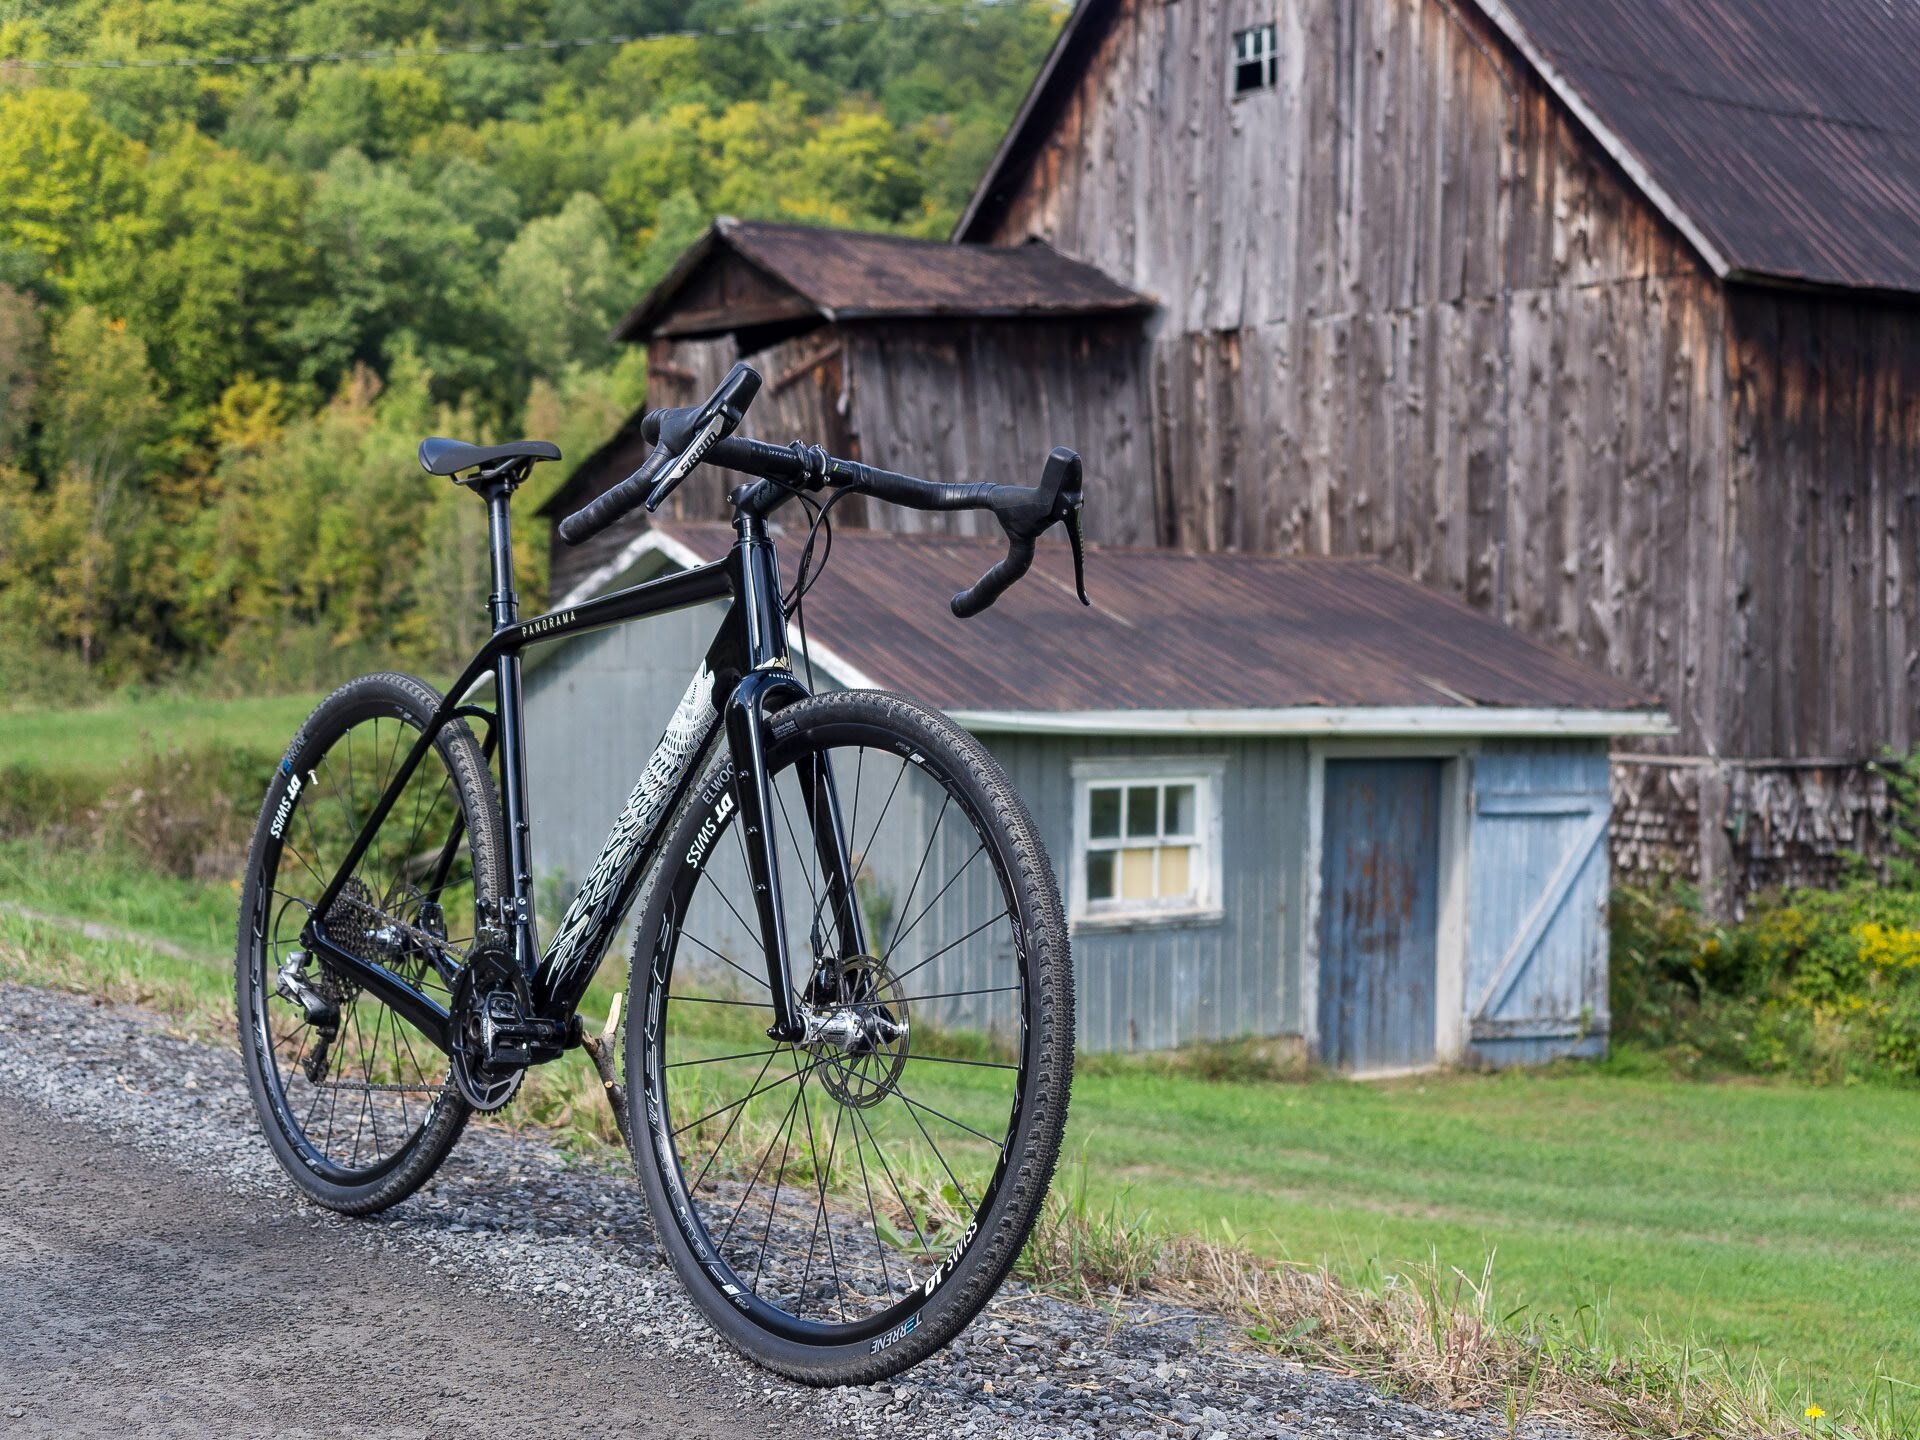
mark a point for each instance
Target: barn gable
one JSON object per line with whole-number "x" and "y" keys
{"x": 1781, "y": 138}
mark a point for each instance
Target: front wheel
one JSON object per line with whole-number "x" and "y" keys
{"x": 842, "y": 1207}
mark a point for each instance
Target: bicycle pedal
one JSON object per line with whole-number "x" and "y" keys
{"x": 515, "y": 1041}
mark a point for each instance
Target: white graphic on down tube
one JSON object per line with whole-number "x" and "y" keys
{"x": 678, "y": 749}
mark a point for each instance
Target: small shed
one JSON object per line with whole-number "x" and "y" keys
{"x": 1289, "y": 798}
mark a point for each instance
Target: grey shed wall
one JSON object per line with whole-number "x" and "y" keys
{"x": 596, "y": 707}
{"x": 1151, "y": 987}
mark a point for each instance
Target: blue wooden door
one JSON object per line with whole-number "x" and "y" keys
{"x": 1379, "y": 913}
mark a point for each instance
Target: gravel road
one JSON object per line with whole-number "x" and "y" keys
{"x": 160, "y": 1277}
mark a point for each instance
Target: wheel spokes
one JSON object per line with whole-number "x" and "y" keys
{"x": 832, "y": 1189}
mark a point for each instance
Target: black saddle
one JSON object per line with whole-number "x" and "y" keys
{"x": 449, "y": 457}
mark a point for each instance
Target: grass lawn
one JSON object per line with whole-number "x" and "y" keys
{"x": 1779, "y": 1221}
{"x": 96, "y": 740}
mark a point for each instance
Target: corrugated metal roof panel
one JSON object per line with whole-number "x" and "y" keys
{"x": 1169, "y": 631}
{"x": 1786, "y": 131}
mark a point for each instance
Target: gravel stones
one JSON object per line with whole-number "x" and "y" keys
{"x": 514, "y": 1218}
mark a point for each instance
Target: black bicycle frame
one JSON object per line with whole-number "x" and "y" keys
{"x": 747, "y": 676}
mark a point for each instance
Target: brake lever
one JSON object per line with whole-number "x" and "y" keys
{"x": 1079, "y": 553}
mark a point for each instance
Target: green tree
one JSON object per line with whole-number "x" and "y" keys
{"x": 562, "y": 286}
{"x": 221, "y": 266}
{"x": 70, "y": 180}
{"x": 397, "y": 272}
{"x": 22, "y": 342}
{"x": 102, "y": 414}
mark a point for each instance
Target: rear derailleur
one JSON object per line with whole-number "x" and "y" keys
{"x": 320, "y": 996}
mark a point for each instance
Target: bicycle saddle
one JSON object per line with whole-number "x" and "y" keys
{"x": 439, "y": 456}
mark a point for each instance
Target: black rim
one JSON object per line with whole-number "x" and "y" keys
{"x": 353, "y": 1104}
{"x": 866, "y": 1235}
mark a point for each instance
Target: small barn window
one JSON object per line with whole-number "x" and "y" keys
{"x": 1145, "y": 840}
{"x": 1255, "y": 59}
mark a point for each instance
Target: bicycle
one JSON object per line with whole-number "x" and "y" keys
{"x": 390, "y": 984}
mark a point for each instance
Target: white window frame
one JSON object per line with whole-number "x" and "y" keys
{"x": 1205, "y": 774}
{"x": 1262, "y": 49}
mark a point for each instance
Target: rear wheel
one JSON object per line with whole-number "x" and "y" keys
{"x": 357, "y": 1104}
{"x": 842, "y": 1207}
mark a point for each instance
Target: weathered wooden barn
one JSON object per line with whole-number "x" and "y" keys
{"x": 1295, "y": 798}
{"x": 1596, "y": 313}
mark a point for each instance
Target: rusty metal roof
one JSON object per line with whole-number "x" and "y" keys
{"x": 1781, "y": 137}
{"x": 857, "y": 275}
{"x": 1170, "y": 632}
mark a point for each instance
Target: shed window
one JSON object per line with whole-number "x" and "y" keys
{"x": 1255, "y": 59}
{"x": 1145, "y": 841}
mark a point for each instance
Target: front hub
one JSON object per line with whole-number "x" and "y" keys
{"x": 857, "y": 1026}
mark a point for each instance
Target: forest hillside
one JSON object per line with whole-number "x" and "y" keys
{"x": 234, "y": 295}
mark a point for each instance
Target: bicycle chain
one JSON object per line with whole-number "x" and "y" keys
{"x": 365, "y": 1086}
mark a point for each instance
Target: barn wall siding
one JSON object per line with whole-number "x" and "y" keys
{"x": 1408, "y": 314}
{"x": 987, "y": 400}
{"x": 1824, "y": 631}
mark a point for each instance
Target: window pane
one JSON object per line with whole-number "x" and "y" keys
{"x": 1136, "y": 874}
{"x": 1179, "y": 810}
{"x": 1143, "y": 811}
{"x": 1100, "y": 875}
{"x": 1254, "y": 54}
{"x": 1103, "y": 808}
{"x": 1176, "y": 872}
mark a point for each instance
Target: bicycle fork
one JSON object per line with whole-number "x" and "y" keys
{"x": 768, "y": 685}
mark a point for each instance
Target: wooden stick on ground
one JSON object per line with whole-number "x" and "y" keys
{"x": 600, "y": 1049}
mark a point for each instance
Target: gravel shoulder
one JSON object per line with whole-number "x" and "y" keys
{"x": 161, "y": 1277}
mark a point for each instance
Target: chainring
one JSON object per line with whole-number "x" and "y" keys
{"x": 482, "y": 1086}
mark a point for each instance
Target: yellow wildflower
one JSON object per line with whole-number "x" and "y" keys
{"x": 1888, "y": 947}
{"x": 1814, "y": 1412}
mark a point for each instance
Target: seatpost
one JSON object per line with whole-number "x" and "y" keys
{"x": 503, "y": 605}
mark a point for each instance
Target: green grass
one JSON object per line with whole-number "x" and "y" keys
{"x": 95, "y": 741}
{"x": 117, "y": 889}
{"x": 1775, "y": 1221}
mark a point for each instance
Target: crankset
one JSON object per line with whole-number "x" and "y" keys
{"x": 495, "y": 1031}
